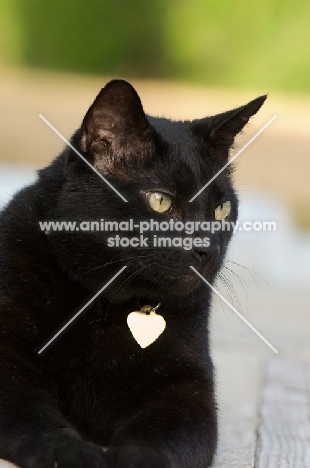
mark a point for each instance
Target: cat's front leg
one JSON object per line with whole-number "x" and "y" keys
{"x": 176, "y": 428}
{"x": 33, "y": 432}
{"x": 137, "y": 456}
{"x": 38, "y": 440}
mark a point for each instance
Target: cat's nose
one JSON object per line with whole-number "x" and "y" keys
{"x": 203, "y": 253}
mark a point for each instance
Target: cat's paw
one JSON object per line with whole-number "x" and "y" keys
{"x": 71, "y": 454}
{"x": 134, "y": 456}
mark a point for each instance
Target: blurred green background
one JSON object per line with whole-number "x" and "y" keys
{"x": 224, "y": 43}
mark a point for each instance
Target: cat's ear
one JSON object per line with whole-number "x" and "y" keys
{"x": 115, "y": 119}
{"x": 220, "y": 130}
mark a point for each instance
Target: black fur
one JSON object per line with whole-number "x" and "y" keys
{"x": 153, "y": 407}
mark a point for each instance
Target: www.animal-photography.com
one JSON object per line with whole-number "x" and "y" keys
{"x": 154, "y": 234}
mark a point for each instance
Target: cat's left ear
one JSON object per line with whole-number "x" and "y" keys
{"x": 220, "y": 130}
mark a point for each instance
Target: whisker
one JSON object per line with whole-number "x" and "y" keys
{"x": 222, "y": 279}
{"x": 251, "y": 272}
{"x": 232, "y": 292}
{"x": 240, "y": 280}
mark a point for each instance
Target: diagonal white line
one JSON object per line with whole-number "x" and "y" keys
{"x": 234, "y": 157}
{"x": 80, "y": 311}
{"x": 82, "y": 157}
{"x": 235, "y": 310}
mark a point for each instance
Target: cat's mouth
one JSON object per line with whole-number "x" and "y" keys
{"x": 182, "y": 278}
{"x": 187, "y": 278}
{"x": 181, "y": 283}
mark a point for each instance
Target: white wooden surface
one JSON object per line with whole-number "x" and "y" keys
{"x": 284, "y": 432}
{"x": 238, "y": 384}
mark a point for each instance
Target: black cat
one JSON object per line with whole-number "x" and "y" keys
{"x": 94, "y": 398}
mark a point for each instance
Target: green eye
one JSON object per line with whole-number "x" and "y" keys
{"x": 222, "y": 211}
{"x": 160, "y": 202}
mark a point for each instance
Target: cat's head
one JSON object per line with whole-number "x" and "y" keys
{"x": 158, "y": 166}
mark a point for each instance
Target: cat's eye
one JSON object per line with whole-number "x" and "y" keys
{"x": 160, "y": 202}
{"x": 222, "y": 211}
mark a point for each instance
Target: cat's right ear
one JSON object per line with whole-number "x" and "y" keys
{"x": 115, "y": 120}
{"x": 220, "y": 130}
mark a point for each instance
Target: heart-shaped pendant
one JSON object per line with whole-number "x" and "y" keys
{"x": 145, "y": 325}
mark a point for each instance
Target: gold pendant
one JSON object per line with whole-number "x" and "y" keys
{"x": 145, "y": 325}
